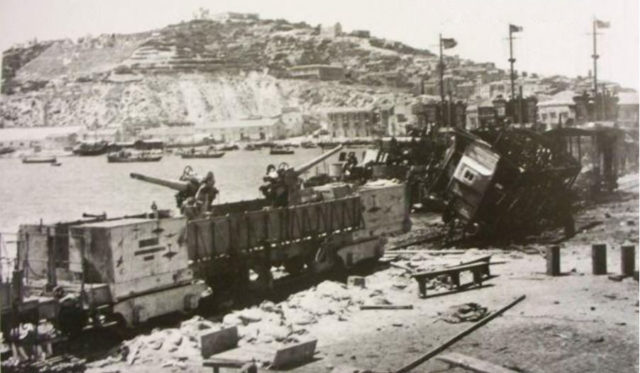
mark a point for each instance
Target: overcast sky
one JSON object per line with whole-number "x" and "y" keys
{"x": 555, "y": 40}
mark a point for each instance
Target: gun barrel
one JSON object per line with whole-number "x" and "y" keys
{"x": 305, "y": 167}
{"x": 173, "y": 184}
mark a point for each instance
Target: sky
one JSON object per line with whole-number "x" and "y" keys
{"x": 555, "y": 39}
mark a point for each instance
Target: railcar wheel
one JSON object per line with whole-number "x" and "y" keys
{"x": 294, "y": 265}
{"x": 72, "y": 319}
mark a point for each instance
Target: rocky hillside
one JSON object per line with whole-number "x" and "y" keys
{"x": 173, "y": 99}
{"x": 202, "y": 70}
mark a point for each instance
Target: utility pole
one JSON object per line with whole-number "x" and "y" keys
{"x": 512, "y": 61}
{"x": 595, "y": 72}
{"x": 512, "y": 102}
{"x": 441, "y": 83}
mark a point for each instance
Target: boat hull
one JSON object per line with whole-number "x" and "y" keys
{"x": 39, "y": 160}
{"x": 134, "y": 159}
{"x": 194, "y": 156}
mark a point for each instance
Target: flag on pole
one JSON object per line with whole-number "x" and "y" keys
{"x": 514, "y": 28}
{"x": 449, "y": 43}
{"x": 602, "y": 24}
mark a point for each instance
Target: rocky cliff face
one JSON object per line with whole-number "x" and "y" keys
{"x": 172, "y": 99}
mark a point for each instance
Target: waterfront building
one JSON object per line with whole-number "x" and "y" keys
{"x": 292, "y": 122}
{"x": 628, "y": 110}
{"x": 350, "y": 122}
{"x": 228, "y": 130}
{"x": 559, "y": 110}
{"x": 39, "y": 137}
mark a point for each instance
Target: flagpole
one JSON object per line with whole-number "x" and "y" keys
{"x": 595, "y": 70}
{"x": 441, "y": 82}
{"x": 512, "y": 61}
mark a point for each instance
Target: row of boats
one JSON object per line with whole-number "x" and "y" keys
{"x": 133, "y": 155}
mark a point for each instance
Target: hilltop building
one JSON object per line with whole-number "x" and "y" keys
{"x": 332, "y": 31}
{"x": 234, "y": 16}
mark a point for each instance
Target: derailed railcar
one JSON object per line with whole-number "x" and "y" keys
{"x": 507, "y": 183}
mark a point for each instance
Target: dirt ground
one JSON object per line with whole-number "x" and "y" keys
{"x": 576, "y": 322}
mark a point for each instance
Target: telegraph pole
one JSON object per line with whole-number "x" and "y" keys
{"x": 595, "y": 71}
{"x": 441, "y": 82}
{"x": 512, "y": 61}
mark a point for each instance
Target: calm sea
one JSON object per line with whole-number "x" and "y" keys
{"x": 30, "y": 192}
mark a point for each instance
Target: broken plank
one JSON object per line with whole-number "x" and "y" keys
{"x": 473, "y": 364}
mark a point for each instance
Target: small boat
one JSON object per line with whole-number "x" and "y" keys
{"x": 91, "y": 148}
{"x": 228, "y": 147}
{"x": 56, "y": 164}
{"x": 6, "y": 150}
{"x": 209, "y": 153}
{"x": 308, "y": 145}
{"x": 39, "y": 159}
{"x": 124, "y": 156}
{"x": 280, "y": 149}
{"x": 252, "y": 147}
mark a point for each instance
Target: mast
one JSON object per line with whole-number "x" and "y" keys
{"x": 441, "y": 82}
{"x": 595, "y": 71}
{"x": 512, "y": 61}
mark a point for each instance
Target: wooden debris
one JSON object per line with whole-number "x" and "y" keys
{"x": 459, "y": 360}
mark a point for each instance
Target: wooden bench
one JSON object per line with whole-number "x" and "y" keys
{"x": 478, "y": 267}
{"x": 470, "y": 363}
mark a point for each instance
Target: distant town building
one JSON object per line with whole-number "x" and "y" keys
{"x": 486, "y": 115}
{"x": 472, "y": 117}
{"x": 431, "y": 87}
{"x": 350, "y": 122}
{"x": 361, "y": 33}
{"x": 228, "y": 130}
{"x": 628, "y": 110}
{"x": 331, "y": 31}
{"x": 603, "y": 107}
{"x": 319, "y": 72}
{"x": 233, "y": 16}
{"x": 292, "y": 121}
{"x": 39, "y": 137}
{"x": 556, "y": 113}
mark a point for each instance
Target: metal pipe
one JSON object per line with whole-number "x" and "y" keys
{"x": 458, "y": 337}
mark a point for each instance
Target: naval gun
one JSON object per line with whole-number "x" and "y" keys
{"x": 283, "y": 190}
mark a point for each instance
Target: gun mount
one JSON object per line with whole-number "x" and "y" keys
{"x": 285, "y": 189}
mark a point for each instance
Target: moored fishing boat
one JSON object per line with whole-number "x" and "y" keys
{"x": 280, "y": 150}
{"x": 39, "y": 159}
{"x": 210, "y": 152}
{"x": 125, "y": 156}
{"x": 91, "y": 148}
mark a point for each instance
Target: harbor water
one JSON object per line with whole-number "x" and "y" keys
{"x": 33, "y": 192}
